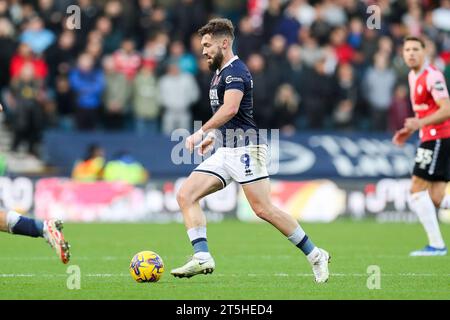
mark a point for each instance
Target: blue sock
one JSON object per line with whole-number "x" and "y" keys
{"x": 200, "y": 245}
{"x": 28, "y": 227}
{"x": 306, "y": 245}
{"x": 301, "y": 240}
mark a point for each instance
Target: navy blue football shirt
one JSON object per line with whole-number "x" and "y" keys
{"x": 241, "y": 130}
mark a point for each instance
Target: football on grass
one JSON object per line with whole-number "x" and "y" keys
{"x": 146, "y": 266}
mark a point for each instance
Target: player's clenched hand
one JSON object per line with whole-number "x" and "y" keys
{"x": 193, "y": 139}
{"x": 401, "y": 136}
{"x": 206, "y": 145}
{"x": 412, "y": 124}
{"x": 1, "y": 107}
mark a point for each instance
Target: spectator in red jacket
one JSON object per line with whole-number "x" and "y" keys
{"x": 127, "y": 60}
{"x": 343, "y": 51}
{"x": 25, "y": 56}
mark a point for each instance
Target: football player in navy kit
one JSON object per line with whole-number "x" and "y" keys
{"x": 241, "y": 157}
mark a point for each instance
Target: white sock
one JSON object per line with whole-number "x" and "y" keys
{"x": 197, "y": 232}
{"x": 297, "y": 236}
{"x": 445, "y": 204}
{"x": 12, "y": 218}
{"x": 422, "y": 205}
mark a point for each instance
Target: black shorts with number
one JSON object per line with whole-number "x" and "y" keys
{"x": 432, "y": 162}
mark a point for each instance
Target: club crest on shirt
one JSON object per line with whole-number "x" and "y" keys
{"x": 419, "y": 89}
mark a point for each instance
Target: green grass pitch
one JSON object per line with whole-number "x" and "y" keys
{"x": 253, "y": 261}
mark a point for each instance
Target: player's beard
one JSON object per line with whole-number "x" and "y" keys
{"x": 216, "y": 61}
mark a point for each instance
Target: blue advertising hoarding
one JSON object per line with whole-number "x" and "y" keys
{"x": 307, "y": 155}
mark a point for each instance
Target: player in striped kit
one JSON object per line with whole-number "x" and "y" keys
{"x": 431, "y": 104}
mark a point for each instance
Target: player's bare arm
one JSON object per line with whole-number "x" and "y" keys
{"x": 401, "y": 136}
{"x": 439, "y": 116}
{"x": 230, "y": 107}
{"x": 413, "y": 124}
{"x": 232, "y": 100}
{"x": 226, "y": 112}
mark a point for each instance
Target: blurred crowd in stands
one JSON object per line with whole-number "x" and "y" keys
{"x": 136, "y": 65}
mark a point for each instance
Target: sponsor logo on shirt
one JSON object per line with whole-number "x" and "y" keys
{"x": 213, "y": 97}
{"x": 420, "y": 107}
{"x": 231, "y": 79}
{"x": 439, "y": 86}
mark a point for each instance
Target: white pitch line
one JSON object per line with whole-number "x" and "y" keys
{"x": 108, "y": 258}
{"x": 106, "y": 275}
{"x": 109, "y": 275}
{"x": 91, "y": 275}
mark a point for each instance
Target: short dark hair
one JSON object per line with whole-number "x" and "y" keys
{"x": 218, "y": 27}
{"x": 414, "y": 38}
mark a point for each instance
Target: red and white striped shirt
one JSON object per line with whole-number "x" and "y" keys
{"x": 427, "y": 87}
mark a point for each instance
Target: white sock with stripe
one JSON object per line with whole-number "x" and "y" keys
{"x": 422, "y": 205}
{"x": 198, "y": 239}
